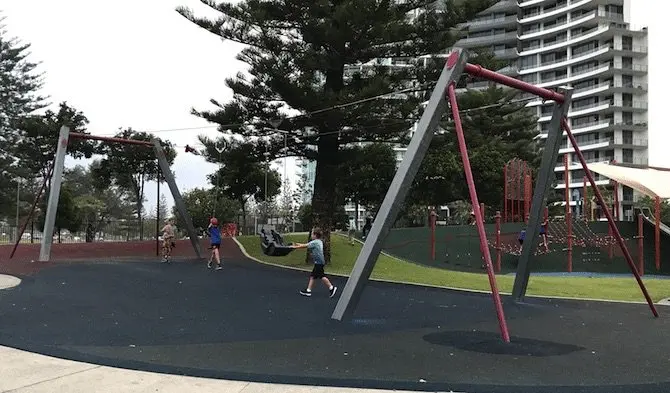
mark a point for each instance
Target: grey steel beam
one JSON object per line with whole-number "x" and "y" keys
{"x": 545, "y": 178}
{"x": 399, "y": 188}
{"x": 54, "y": 194}
{"x": 176, "y": 195}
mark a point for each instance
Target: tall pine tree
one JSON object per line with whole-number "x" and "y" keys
{"x": 19, "y": 97}
{"x": 302, "y": 56}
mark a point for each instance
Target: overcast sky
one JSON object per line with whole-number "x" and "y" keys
{"x": 137, "y": 63}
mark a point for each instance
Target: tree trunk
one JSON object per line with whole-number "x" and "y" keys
{"x": 140, "y": 203}
{"x": 324, "y": 201}
{"x": 244, "y": 217}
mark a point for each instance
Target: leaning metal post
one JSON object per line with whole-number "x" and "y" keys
{"x": 610, "y": 219}
{"x": 545, "y": 177}
{"x": 477, "y": 210}
{"x": 399, "y": 188}
{"x": 54, "y": 194}
{"x": 176, "y": 195}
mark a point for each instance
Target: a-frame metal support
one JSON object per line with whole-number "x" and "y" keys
{"x": 54, "y": 194}
{"x": 57, "y": 180}
{"x": 176, "y": 195}
{"x": 545, "y": 178}
{"x": 399, "y": 188}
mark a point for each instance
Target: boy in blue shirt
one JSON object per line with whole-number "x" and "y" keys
{"x": 315, "y": 247}
{"x": 215, "y": 239}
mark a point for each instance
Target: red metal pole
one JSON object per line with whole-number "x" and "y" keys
{"x": 505, "y": 193}
{"x": 481, "y": 72}
{"x": 478, "y": 214}
{"x": 482, "y": 207}
{"x": 498, "y": 255}
{"x": 568, "y": 220}
{"x": 657, "y": 232}
{"x": 110, "y": 139}
{"x": 610, "y": 219}
{"x": 640, "y": 245}
{"x": 432, "y": 234}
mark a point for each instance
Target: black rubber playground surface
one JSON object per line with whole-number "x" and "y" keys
{"x": 248, "y": 322}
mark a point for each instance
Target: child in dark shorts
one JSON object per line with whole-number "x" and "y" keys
{"x": 215, "y": 238}
{"x": 316, "y": 248}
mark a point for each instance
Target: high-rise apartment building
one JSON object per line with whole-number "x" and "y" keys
{"x": 589, "y": 46}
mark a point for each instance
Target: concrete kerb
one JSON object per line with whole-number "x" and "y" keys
{"x": 7, "y": 281}
{"x": 664, "y": 302}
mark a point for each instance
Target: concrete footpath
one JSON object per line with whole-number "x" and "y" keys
{"x": 25, "y": 372}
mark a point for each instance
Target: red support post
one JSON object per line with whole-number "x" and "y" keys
{"x": 568, "y": 220}
{"x": 505, "y": 193}
{"x": 657, "y": 232}
{"x": 610, "y": 219}
{"x": 640, "y": 245}
{"x": 566, "y": 178}
{"x": 482, "y": 207}
{"x": 476, "y": 70}
{"x": 498, "y": 251}
{"x": 483, "y": 244}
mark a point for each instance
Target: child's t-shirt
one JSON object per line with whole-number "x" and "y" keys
{"x": 215, "y": 235}
{"x": 316, "y": 248}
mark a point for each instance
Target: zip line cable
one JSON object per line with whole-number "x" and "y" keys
{"x": 344, "y": 105}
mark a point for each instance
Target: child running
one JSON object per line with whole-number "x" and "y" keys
{"x": 316, "y": 248}
{"x": 215, "y": 239}
{"x": 168, "y": 240}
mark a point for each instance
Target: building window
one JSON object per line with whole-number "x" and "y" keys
{"x": 627, "y": 156}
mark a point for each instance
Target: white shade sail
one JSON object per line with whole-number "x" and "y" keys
{"x": 649, "y": 181}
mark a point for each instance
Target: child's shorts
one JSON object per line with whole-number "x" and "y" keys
{"x": 317, "y": 272}
{"x": 215, "y": 245}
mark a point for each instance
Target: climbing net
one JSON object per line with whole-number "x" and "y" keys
{"x": 557, "y": 238}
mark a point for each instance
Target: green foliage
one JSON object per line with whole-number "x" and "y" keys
{"x": 367, "y": 173}
{"x": 96, "y": 203}
{"x": 37, "y": 148}
{"x": 649, "y": 203}
{"x": 67, "y": 215}
{"x": 240, "y": 176}
{"x": 202, "y": 203}
{"x": 19, "y": 88}
{"x": 305, "y": 216}
{"x": 297, "y": 52}
{"x": 129, "y": 167}
{"x": 504, "y": 130}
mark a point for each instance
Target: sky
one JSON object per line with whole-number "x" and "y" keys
{"x": 139, "y": 64}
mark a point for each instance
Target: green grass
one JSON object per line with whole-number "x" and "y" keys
{"x": 387, "y": 268}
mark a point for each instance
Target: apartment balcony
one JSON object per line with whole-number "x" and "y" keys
{"x": 564, "y": 42}
{"x": 576, "y": 165}
{"x": 490, "y": 23}
{"x": 600, "y": 181}
{"x": 530, "y": 3}
{"x": 553, "y": 12}
{"x": 591, "y": 54}
{"x": 492, "y": 39}
{"x": 629, "y": 105}
{"x": 583, "y": 74}
{"x": 580, "y": 111}
{"x": 595, "y": 144}
{"x": 628, "y": 69}
{"x": 545, "y": 31}
{"x": 627, "y": 143}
